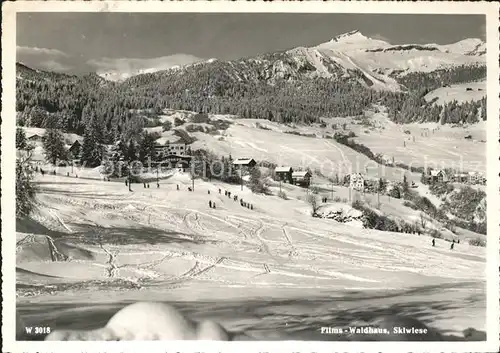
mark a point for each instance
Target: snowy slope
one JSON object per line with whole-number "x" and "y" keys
{"x": 463, "y": 92}
{"x": 173, "y": 247}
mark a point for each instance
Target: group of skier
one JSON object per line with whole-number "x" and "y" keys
{"x": 211, "y": 203}
{"x": 452, "y": 243}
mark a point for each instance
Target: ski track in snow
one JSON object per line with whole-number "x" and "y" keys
{"x": 254, "y": 249}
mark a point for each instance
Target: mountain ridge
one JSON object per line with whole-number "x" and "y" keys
{"x": 351, "y": 46}
{"x": 298, "y": 85}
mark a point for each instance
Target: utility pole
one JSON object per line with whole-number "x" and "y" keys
{"x": 241, "y": 176}
{"x": 129, "y": 179}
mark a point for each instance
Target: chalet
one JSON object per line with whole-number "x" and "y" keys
{"x": 34, "y": 137}
{"x": 177, "y": 148}
{"x": 475, "y": 178}
{"x": 438, "y": 175}
{"x": 181, "y": 147}
{"x": 174, "y": 160}
{"x": 284, "y": 174}
{"x": 302, "y": 178}
{"x": 460, "y": 177}
{"x": 182, "y": 165}
{"x": 160, "y": 152}
{"x": 75, "y": 148}
{"x": 357, "y": 182}
{"x": 245, "y": 162}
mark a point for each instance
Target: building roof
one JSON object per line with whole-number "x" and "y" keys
{"x": 301, "y": 174}
{"x": 180, "y": 141}
{"x": 243, "y": 161}
{"x": 436, "y": 172}
{"x": 283, "y": 169}
{"x": 175, "y": 156}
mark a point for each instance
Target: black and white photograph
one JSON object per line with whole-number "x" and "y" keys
{"x": 252, "y": 176}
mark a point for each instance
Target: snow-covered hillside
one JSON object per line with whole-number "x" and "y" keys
{"x": 374, "y": 55}
{"x": 463, "y": 92}
{"x": 274, "y": 262}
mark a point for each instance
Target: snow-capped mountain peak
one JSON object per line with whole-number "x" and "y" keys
{"x": 469, "y": 46}
{"x": 349, "y": 37}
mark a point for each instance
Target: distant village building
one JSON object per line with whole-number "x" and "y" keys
{"x": 75, "y": 149}
{"x": 476, "y": 178}
{"x": 178, "y": 148}
{"x": 284, "y": 174}
{"x": 439, "y": 176}
{"x": 160, "y": 152}
{"x": 302, "y": 178}
{"x": 357, "y": 182}
{"x": 182, "y": 165}
{"x": 461, "y": 177}
{"x": 34, "y": 137}
{"x": 245, "y": 162}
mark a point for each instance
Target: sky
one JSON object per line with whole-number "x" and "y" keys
{"x": 96, "y": 42}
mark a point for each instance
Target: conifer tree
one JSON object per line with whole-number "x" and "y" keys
{"x": 93, "y": 146}
{"x": 147, "y": 147}
{"x": 25, "y": 188}
{"x": 256, "y": 182}
{"x": 54, "y": 148}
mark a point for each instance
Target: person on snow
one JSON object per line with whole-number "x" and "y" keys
{"x": 433, "y": 242}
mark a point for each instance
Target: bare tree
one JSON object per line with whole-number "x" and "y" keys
{"x": 313, "y": 201}
{"x": 423, "y": 221}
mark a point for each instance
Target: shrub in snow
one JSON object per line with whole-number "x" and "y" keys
{"x": 282, "y": 195}
{"x": 477, "y": 242}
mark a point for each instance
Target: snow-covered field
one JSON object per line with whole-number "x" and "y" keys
{"x": 243, "y": 139}
{"x": 458, "y": 93}
{"x": 273, "y": 272}
{"x": 426, "y": 144}
{"x": 431, "y": 145}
